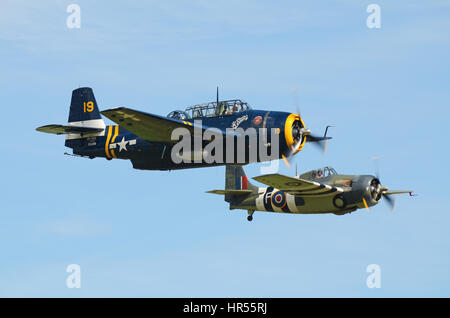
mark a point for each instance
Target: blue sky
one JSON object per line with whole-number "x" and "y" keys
{"x": 151, "y": 233}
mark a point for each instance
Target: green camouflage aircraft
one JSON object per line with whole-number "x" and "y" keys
{"x": 314, "y": 192}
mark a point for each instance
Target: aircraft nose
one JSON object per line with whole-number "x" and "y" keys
{"x": 294, "y": 133}
{"x": 373, "y": 189}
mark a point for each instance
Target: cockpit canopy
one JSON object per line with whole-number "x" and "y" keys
{"x": 212, "y": 109}
{"x": 324, "y": 172}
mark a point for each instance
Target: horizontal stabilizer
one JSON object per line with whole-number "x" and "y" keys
{"x": 312, "y": 138}
{"x": 62, "y": 130}
{"x": 230, "y": 192}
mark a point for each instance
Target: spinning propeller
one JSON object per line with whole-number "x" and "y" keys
{"x": 299, "y": 132}
{"x": 377, "y": 191}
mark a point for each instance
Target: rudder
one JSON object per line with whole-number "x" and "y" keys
{"x": 236, "y": 179}
{"x": 84, "y": 111}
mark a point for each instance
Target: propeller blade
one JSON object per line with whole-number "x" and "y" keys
{"x": 376, "y": 161}
{"x": 365, "y": 204}
{"x": 296, "y": 99}
{"x": 390, "y": 201}
{"x": 286, "y": 161}
{"x": 318, "y": 143}
{"x": 386, "y": 193}
{"x": 289, "y": 155}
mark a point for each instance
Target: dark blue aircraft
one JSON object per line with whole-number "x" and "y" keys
{"x": 147, "y": 139}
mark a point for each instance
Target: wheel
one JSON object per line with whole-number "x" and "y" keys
{"x": 249, "y": 218}
{"x": 339, "y": 201}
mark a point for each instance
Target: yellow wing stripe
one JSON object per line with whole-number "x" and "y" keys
{"x": 116, "y": 132}
{"x": 107, "y": 142}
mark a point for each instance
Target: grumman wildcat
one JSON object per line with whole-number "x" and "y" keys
{"x": 317, "y": 191}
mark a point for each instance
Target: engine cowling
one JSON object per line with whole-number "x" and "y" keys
{"x": 294, "y": 133}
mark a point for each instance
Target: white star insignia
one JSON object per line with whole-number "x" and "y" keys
{"x": 122, "y": 144}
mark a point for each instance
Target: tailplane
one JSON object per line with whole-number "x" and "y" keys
{"x": 236, "y": 184}
{"x": 64, "y": 130}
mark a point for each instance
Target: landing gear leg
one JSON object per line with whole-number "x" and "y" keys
{"x": 250, "y": 215}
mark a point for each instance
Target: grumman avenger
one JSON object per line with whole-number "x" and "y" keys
{"x": 148, "y": 140}
{"x": 314, "y": 192}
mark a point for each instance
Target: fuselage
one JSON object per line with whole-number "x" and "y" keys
{"x": 356, "y": 191}
{"x": 115, "y": 142}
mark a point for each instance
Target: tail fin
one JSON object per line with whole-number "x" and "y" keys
{"x": 236, "y": 184}
{"x": 235, "y": 179}
{"x": 84, "y": 110}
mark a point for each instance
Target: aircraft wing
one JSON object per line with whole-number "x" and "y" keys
{"x": 297, "y": 186}
{"x": 148, "y": 126}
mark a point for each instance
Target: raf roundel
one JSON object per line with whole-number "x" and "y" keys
{"x": 279, "y": 199}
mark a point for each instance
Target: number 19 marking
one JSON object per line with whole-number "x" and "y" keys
{"x": 88, "y": 107}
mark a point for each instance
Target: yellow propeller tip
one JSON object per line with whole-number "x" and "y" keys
{"x": 365, "y": 204}
{"x": 285, "y": 160}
